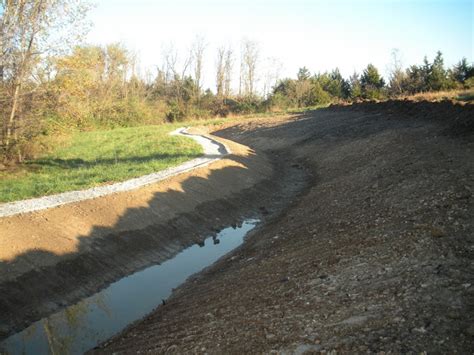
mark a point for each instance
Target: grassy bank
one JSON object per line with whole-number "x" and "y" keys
{"x": 455, "y": 95}
{"x": 88, "y": 159}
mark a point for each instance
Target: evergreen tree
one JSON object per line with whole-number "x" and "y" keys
{"x": 425, "y": 73}
{"x": 414, "y": 81}
{"x": 462, "y": 71}
{"x": 371, "y": 83}
{"x": 337, "y": 86}
{"x": 355, "y": 87}
{"x": 437, "y": 77}
{"x": 303, "y": 74}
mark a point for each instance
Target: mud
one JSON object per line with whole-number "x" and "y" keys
{"x": 375, "y": 256}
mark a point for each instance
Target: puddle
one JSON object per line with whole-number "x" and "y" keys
{"x": 91, "y": 321}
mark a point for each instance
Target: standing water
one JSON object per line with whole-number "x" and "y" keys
{"x": 92, "y": 320}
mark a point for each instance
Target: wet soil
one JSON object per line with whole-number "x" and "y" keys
{"x": 376, "y": 255}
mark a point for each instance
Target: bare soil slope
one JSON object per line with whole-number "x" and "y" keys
{"x": 376, "y": 256}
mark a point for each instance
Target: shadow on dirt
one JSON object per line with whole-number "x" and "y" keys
{"x": 107, "y": 254}
{"x": 80, "y": 163}
{"x": 455, "y": 119}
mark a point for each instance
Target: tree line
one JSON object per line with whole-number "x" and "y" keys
{"x": 50, "y": 84}
{"x": 310, "y": 90}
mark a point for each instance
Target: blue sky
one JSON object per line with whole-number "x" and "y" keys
{"x": 320, "y": 35}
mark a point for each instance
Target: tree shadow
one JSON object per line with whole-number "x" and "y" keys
{"x": 81, "y": 163}
{"x": 173, "y": 220}
{"x": 358, "y": 121}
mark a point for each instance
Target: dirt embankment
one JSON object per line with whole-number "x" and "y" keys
{"x": 55, "y": 257}
{"x": 376, "y": 256}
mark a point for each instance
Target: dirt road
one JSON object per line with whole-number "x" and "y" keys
{"x": 376, "y": 255}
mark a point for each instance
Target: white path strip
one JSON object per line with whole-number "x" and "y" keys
{"x": 213, "y": 151}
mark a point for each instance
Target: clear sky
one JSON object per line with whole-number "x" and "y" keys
{"x": 320, "y": 35}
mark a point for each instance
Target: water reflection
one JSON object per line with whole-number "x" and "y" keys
{"x": 84, "y": 325}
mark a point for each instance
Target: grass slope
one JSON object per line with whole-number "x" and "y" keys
{"x": 93, "y": 158}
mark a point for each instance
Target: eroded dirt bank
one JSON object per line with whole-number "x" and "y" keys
{"x": 52, "y": 258}
{"x": 376, "y": 256}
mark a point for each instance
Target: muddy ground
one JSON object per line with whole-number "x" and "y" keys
{"x": 375, "y": 256}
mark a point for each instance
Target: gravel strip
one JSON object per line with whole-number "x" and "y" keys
{"x": 213, "y": 151}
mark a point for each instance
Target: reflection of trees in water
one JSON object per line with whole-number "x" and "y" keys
{"x": 30, "y": 331}
{"x": 99, "y": 300}
{"x": 26, "y": 336}
{"x": 62, "y": 329}
{"x": 74, "y": 314}
{"x": 4, "y": 350}
{"x": 48, "y": 330}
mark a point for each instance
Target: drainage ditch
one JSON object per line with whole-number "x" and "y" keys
{"x": 80, "y": 327}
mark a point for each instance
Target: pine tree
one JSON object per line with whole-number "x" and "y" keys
{"x": 462, "y": 71}
{"x": 303, "y": 74}
{"x": 355, "y": 87}
{"x": 372, "y": 83}
{"x": 437, "y": 77}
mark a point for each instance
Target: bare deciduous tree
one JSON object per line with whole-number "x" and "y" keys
{"x": 177, "y": 83}
{"x": 172, "y": 66}
{"x": 169, "y": 62}
{"x": 228, "y": 65}
{"x": 396, "y": 73}
{"x": 249, "y": 59}
{"x": 224, "y": 63}
{"x": 220, "y": 72}
{"x": 272, "y": 74}
{"x": 197, "y": 50}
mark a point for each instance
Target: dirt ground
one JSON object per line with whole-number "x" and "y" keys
{"x": 376, "y": 255}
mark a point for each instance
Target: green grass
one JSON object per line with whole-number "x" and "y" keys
{"x": 90, "y": 159}
{"x": 467, "y": 96}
